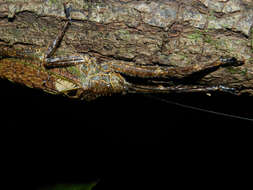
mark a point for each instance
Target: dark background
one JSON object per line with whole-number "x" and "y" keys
{"x": 120, "y": 140}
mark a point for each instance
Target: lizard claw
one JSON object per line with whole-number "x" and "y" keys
{"x": 67, "y": 10}
{"x": 231, "y": 61}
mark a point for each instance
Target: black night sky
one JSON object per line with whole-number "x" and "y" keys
{"x": 51, "y": 139}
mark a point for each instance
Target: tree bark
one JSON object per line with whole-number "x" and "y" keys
{"x": 134, "y": 36}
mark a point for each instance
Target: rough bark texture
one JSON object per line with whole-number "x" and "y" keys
{"x": 141, "y": 34}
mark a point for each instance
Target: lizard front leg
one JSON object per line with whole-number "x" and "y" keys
{"x": 52, "y": 47}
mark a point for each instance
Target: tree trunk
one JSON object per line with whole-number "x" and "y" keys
{"x": 126, "y": 46}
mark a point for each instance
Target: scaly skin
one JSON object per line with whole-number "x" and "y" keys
{"x": 91, "y": 81}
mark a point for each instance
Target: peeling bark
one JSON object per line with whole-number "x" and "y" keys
{"x": 158, "y": 34}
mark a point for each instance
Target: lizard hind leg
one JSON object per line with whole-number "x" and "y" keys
{"x": 132, "y": 88}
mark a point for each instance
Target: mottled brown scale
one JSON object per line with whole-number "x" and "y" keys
{"x": 8, "y": 52}
{"x": 21, "y": 71}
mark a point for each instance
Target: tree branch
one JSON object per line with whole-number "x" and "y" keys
{"x": 122, "y": 39}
